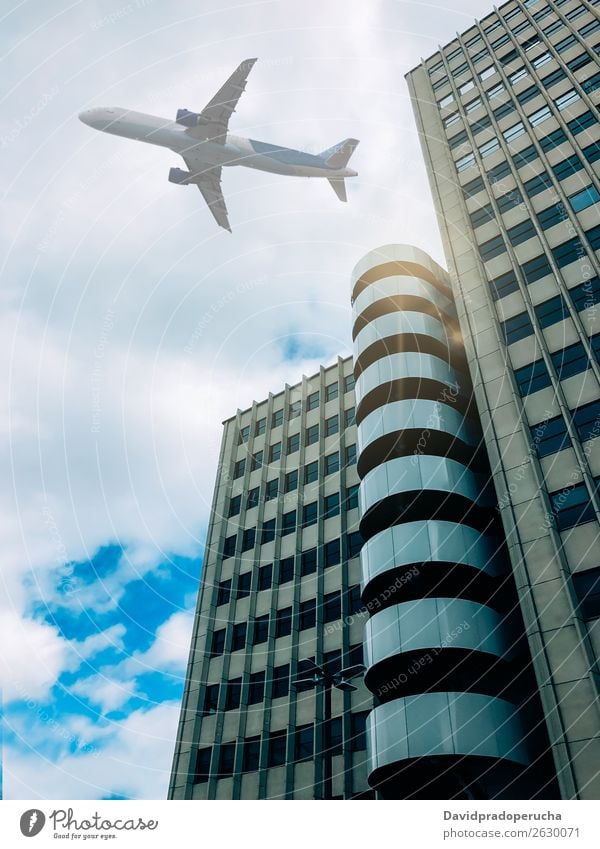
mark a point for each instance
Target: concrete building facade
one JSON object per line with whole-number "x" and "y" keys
{"x": 280, "y": 585}
{"x": 508, "y": 119}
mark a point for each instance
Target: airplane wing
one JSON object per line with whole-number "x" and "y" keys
{"x": 214, "y": 118}
{"x": 208, "y": 179}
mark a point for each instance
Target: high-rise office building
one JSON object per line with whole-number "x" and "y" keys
{"x": 280, "y": 586}
{"x": 508, "y": 119}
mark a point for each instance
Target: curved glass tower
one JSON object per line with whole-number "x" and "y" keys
{"x": 456, "y": 707}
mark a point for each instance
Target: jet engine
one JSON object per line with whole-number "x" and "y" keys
{"x": 180, "y": 177}
{"x": 187, "y": 118}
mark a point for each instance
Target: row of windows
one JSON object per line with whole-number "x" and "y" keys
{"x": 279, "y": 682}
{"x": 295, "y": 408}
{"x": 258, "y": 632}
{"x": 552, "y": 435}
{"x": 564, "y": 254}
{"x": 567, "y": 362}
{"x": 266, "y": 577}
{"x": 221, "y": 764}
{"x": 311, "y": 437}
{"x": 311, "y": 474}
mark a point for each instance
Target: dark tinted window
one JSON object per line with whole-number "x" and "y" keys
{"x": 550, "y": 436}
{"x": 587, "y": 589}
{"x": 572, "y": 506}
{"x": 531, "y": 378}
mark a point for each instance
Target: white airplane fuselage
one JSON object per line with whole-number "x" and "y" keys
{"x": 236, "y": 150}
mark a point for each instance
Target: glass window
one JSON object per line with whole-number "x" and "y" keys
{"x": 312, "y": 434}
{"x": 465, "y": 162}
{"x": 308, "y": 562}
{"x": 482, "y": 216}
{"x": 503, "y": 110}
{"x": 514, "y": 132}
{"x": 332, "y": 505}
{"x": 238, "y": 636}
{"x": 539, "y": 116}
{"x": 472, "y": 105}
{"x": 332, "y": 606}
{"x": 268, "y": 532}
{"x": 592, "y": 152}
{"x": 256, "y": 688}
{"x": 295, "y": 409}
{"x": 473, "y": 187}
{"x": 521, "y": 232}
{"x": 538, "y": 184}
{"x": 332, "y": 463}
{"x": 281, "y": 678}
{"x": 309, "y": 514}
{"x": 288, "y": 523}
{"x": 312, "y": 401}
{"x": 504, "y": 285}
{"x": 286, "y": 570}
{"x": 350, "y": 455}
{"x": 555, "y": 77}
{"x": 352, "y": 497}
{"x": 586, "y": 197}
{"x": 261, "y": 629}
{"x": 226, "y": 760}
{"x": 265, "y": 577}
{"x": 239, "y": 468}
{"x": 570, "y": 360}
{"x": 271, "y": 489}
{"x": 311, "y": 472}
{"x": 552, "y": 215}
{"x": 528, "y": 154}
{"x": 451, "y": 119}
{"x": 244, "y": 434}
{"x": 275, "y": 452}
{"x": 229, "y": 546}
{"x": 331, "y": 391}
{"x": 233, "y": 692}
{"x": 354, "y": 600}
{"x": 349, "y": 383}
{"x": 528, "y": 94}
{"x": 276, "y": 749}
{"x": 354, "y": 543}
{"x": 509, "y": 200}
{"x": 567, "y": 42}
{"x": 536, "y": 268}
{"x": 283, "y": 623}
{"x": 304, "y": 743}
{"x": 572, "y": 506}
{"x": 492, "y": 248}
{"x": 256, "y": 461}
{"x": 568, "y": 252}
{"x": 489, "y": 147}
{"x": 552, "y": 140}
{"x": 291, "y": 481}
{"x": 293, "y": 443}
{"x": 587, "y": 590}
{"x": 495, "y": 90}
{"x": 248, "y": 539}
{"x": 251, "y": 754}
{"x": 552, "y": 311}
{"x": 235, "y": 505}
{"x": 487, "y": 73}
{"x": 211, "y": 699}
{"x": 587, "y": 420}
{"x": 261, "y": 426}
{"x": 591, "y": 84}
{"x": 202, "y": 768}
{"x": 277, "y": 418}
{"x": 445, "y": 101}
{"x": 465, "y": 87}
{"x": 243, "y": 585}
{"x": 308, "y": 614}
{"x": 499, "y": 172}
{"x": 566, "y": 99}
{"x": 532, "y": 378}
{"x": 349, "y": 417}
{"x": 516, "y": 328}
{"x": 224, "y": 592}
{"x": 550, "y": 436}
{"x": 588, "y": 29}
{"x": 586, "y": 294}
{"x": 332, "y": 425}
{"x": 458, "y": 139}
{"x": 217, "y": 644}
{"x": 358, "y": 726}
{"x": 331, "y": 552}
{"x": 541, "y": 60}
{"x": 253, "y": 497}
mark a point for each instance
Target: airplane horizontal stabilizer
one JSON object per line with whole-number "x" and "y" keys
{"x": 339, "y": 187}
{"x": 338, "y": 155}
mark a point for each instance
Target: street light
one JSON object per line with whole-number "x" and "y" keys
{"x": 316, "y": 676}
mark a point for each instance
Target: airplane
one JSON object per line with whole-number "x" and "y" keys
{"x": 203, "y": 140}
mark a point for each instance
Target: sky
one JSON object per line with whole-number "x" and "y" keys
{"x": 132, "y": 326}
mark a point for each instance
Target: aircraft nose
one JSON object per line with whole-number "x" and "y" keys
{"x": 87, "y": 116}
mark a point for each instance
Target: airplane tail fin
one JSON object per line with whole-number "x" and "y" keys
{"x": 339, "y": 187}
{"x": 338, "y": 155}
